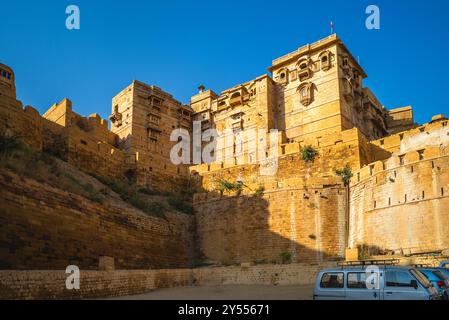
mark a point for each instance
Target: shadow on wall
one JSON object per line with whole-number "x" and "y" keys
{"x": 276, "y": 227}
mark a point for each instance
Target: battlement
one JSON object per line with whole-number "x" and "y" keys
{"x": 403, "y": 141}
{"x": 396, "y": 161}
{"x": 308, "y": 48}
{"x": 305, "y": 48}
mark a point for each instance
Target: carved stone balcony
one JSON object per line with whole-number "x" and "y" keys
{"x": 304, "y": 74}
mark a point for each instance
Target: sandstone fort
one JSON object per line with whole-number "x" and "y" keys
{"x": 354, "y": 178}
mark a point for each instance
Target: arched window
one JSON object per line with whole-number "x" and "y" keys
{"x": 282, "y": 76}
{"x": 325, "y": 59}
{"x": 235, "y": 99}
{"x": 304, "y": 71}
{"x": 306, "y": 93}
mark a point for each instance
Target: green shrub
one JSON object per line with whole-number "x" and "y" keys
{"x": 260, "y": 191}
{"x": 156, "y": 209}
{"x": 308, "y": 153}
{"x": 345, "y": 174}
{"x": 9, "y": 144}
{"x": 286, "y": 256}
{"x": 151, "y": 208}
{"x": 149, "y": 192}
{"x": 88, "y": 187}
{"x": 224, "y": 185}
{"x": 97, "y": 197}
{"x": 125, "y": 191}
{"x": 181, "y": 204}
{"x": 137, "y": 202}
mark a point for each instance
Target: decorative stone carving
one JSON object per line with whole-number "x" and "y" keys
{"x": 347, "y": 91}
{"x": 306, "y": 93}
{"x": 235, "y": 99}
{"x": 304, "y": 70}
{"x": 116, "y": 117}
{"x": 282, "y": 76}
{"x": 325, "y": 60}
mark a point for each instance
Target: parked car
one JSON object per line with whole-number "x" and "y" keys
{"x": 439, "y": 280}
{"x": 393, "y": 283}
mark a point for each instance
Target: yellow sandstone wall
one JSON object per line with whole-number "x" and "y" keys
{"x": 42, "y": 227}
{"x": 303, "y": 209}
{"x": 401, "y": 204}
{"x": 308, "y": 223}
{"x": 100, "y": 284}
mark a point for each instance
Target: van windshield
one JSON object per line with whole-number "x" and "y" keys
{"x": 421, "y": 278}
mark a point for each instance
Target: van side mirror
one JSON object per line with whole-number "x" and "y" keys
{"x": 414, "y": 284}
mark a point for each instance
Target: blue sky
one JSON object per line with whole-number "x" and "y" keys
{"x": 179, "y": 44}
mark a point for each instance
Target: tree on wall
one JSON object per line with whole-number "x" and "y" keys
{"x": 308, "y": 153}
{"x": 224, "y": 185}
{"x": 345, "y": 174}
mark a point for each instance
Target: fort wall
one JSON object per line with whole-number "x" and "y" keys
{"x": 401, "y": 204}
{"x": 42, "y": 227}
{"x": 100, "y": 284}
{"x": 308, "y": 223}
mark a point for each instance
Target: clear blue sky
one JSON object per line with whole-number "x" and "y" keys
{"x": 179, "y": 44}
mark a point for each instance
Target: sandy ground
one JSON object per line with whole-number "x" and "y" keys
{"x": 228, "y": 292}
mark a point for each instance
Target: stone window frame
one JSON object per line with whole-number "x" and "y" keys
{"x": 327, "y": 64}
{"x": 303, "y": 67}
{"x": 282, "y": 75}
{"x": 235, "y": 98}
{"x": 307, "y": 98}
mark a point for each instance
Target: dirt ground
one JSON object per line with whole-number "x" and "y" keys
{"x": 228, "y": 292}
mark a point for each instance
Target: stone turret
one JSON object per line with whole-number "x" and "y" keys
{"x": 7, "y": 85}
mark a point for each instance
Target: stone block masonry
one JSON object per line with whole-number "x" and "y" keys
{"x": 101, "y": 284}
{"x": 42, "y": 227}
{"x": 308, "y": 224}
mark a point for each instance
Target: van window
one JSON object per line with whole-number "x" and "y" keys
{"x": 357, "y": 280}
{"x": 421, "y": 278}
{"x": 332, "y": 280}
{"x": 399, "y": 278}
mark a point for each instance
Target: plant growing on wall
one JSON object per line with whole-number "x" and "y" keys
{"x": 286, "y": 257}
{"x": 224, "y": 185}
{"x": 259, "y": 191}
{"x": 308, "y": 153}
{"x": 345, "y": 174}
{"x": 9, "y": 144}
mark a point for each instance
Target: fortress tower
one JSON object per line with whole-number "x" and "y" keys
{"x": 320, "y": 91}
{"x": 315, "y": 92}
{"x": 143, "y": 117}
{"x": 7, "y": 81}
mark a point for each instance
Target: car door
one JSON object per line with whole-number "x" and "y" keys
{"x": 331, "y": 286}
{"x": 362, "y": 286}
{"x": 399, "y": 285}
